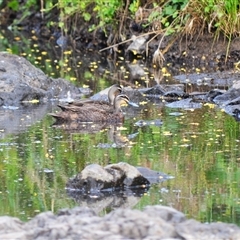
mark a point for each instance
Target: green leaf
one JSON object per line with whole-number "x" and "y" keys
{"x": 86, "y": 16}
{"x": 14, "y": 5}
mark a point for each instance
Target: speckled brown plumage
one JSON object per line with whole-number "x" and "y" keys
{"x": 93, "y": 112}
{"x": 115, "y": 90}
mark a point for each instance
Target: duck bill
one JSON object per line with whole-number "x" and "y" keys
{"x": 133, "y": 104}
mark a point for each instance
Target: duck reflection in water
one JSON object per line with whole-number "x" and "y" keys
{"x": 114, "y": 134}
{"x": 115, "y": 137}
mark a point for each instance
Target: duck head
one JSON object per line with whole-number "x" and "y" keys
{"x": 120, "y": 100}
{"x": 115, "y": 90}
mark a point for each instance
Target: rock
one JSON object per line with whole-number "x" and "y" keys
{"x": 77, "y": 211}
{"x": 175, "y": 95}
{"x": 227, "y": 97}
{"x": 130, "y": 175}
{"x": 191, "y": 229}
{"x": 9, "y": 225}
{"x": 213, "y": 94}
{"x": 21, "y": 82}
{"x": 171, "y": 92}
{"x": 94, "y": 178}
{"x": 224, "y": 78}
{"x": 153, "y": 223}
{"x": 113, "y": 178}
{"x": 236, "y": 114}
{"x": 185, "y": 104}
{"x": 153, "y": 176}
{"x": 229, "y": 100}
{"x": 134, "y": 224}
{"x": 40, "y": 221}
{"x": 116, "y": 185}
{"x": 138, "y": 46}
{"x": 167, "y": 213}
{"x": 157, "y": 91}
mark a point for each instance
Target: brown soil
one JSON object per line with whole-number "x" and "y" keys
{"x": 205, "y": 49}
{"x": 192, "y": 50}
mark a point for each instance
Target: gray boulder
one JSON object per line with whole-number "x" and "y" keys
{"x": 155, "y": 223}
{"x": 21, "y": 82}
{"x": 115, "y": 177}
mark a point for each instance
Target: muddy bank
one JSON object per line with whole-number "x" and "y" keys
{"x": 193, "y": 50}
{"x": 154, "y": 222}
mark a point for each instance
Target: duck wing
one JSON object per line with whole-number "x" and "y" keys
{"x": 86, "y": 104}
{"x": 87, "y": 101}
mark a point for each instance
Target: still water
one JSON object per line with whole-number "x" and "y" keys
{"x": 198, "y": 147}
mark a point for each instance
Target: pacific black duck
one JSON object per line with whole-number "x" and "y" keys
{"x": 93, "y": 112}
{"x": 115, "y": 90}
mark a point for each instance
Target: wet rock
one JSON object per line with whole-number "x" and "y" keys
{"x": 230, "y": 100}
{"x": 227, "y": 97}
{"x": 233, "y": 107}
{"x": 116, "y": 185}
{"x": 153, "y": 176}
{"x": 225, "y": 78}
{"x": 175, "y": 95}
{"x": 234, "y": 102}
{"x": 236, "y": 114}
{"x": 132, "y": 178}
{"x": 94, "y": 178}
{"x": 185, "y": 104}
{"x": 171, "y": 92}
{"x": 154, "y": 91}
{"x": 22, "y": 82}
{"x": 211, "y": 95}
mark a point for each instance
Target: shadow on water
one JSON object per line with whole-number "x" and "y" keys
{"x": 16, "y": 120}
{"x": 199, "y": 147}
